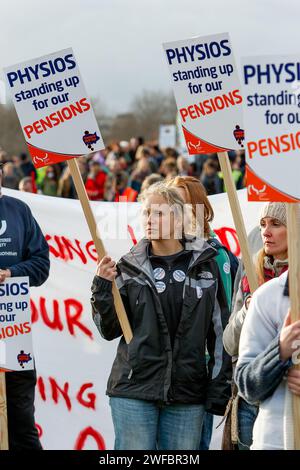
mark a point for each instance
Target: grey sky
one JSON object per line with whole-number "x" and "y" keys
{"x": 118, "y": 43}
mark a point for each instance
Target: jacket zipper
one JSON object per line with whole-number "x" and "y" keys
{"x": 151, "y": 284}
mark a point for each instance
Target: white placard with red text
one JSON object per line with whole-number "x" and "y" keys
{"x": 272, "y": 118}
{"x": 16, "y": 351}
{"x": 55, "y": 112}
{"x": 207, "y": 92}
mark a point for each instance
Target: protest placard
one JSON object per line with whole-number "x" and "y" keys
{"x": 16, "y": 350}
{"x": 272, "y": 117}
{"x": 54, "y": 110}
{"x": 207, "y": 92}
{"x": 59, "y": 124}
{"x": 209, "y": 100}
{"x": 167, "y": 136}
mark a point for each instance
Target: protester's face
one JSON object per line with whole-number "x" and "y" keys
{"x": 143, "y": 165}
{"x": 123, "y": 163}
{"x": 209, "y": 168}
{"x": 274, "y": 237}
{"x": 160, "y": 222}
{"x": 27, "y": 187}
{"x": 82, "y": 166}
{"x": 115, "y": 167}
{"x": 95, "y": 168}
{"x": 9, "y": 169}
{"x": 50, "y": 172}
{"x": 133, "y": 143}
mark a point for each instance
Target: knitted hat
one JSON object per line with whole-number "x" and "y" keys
{"x": 276, "y": 210}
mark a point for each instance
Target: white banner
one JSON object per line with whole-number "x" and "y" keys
{"x": 73, "y": 361}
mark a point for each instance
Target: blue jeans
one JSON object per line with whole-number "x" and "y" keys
{"x": 143, "y": 425}
{"x": 247, "y": 415}
{"x": 207, "y": 430}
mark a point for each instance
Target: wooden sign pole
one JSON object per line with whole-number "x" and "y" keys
{"x": 238, "y": 220}
{"x": 293, "y": 220}
{"x": 85, "y": 203}
{"x": 3, "y": 414}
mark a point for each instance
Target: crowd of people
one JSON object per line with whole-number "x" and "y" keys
{"x": 121, "y": 169}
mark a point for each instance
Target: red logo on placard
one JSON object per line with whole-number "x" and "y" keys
{"x": 43, "y": 157}
{"x": 90, "y": 139}
{"x": 239, "y": 135}
{"x": 260, "y": 190}
{"x": 197, "y": 146}
{"x": 23, "y": 358}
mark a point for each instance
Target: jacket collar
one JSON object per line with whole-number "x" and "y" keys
{"x": 276, "y": 266}
{"x": 138, "y": 255}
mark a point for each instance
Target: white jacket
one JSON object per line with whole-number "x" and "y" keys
{"x": 260, "y": 374}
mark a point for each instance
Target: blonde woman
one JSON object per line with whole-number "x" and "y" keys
{"x": 271, "y": 262}
{"x": 159, "y": 384}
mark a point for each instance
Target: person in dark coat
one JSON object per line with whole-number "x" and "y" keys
{"x": 160, "y": 384}
{"x": 24, "y": 252}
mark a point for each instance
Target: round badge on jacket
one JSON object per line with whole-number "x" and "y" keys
{"x": 160, "y": 287}
{"x": 179, "y": 275}
{"x": 226, "y": 268}
{"x": 159, "y": 273}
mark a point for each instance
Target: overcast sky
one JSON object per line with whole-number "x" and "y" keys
{"x": 118, "y": 43}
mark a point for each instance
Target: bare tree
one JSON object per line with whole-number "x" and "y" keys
{"x": 124, "y": 126}
{"x": 152, "y": 108}
{"x": 11, "y": 136}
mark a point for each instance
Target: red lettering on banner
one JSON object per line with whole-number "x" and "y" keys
{"x": 76, "y": 249}
{"x": 55, "y": 323}
{"x": 85, "y": 434}
{"x": 67, "y": 250}
{"x": 223, "y": 233}
{"x": 57, "y": 254}
{"x": 90, "y": 401}
{"x": 63, "y": 248}
{"x": 86, "y": 400}
{"x": 56, "y": 389}
{"x": 72, "y": 310}
{"x": 91, "y": 250}
{"x": 41, "y": 388}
